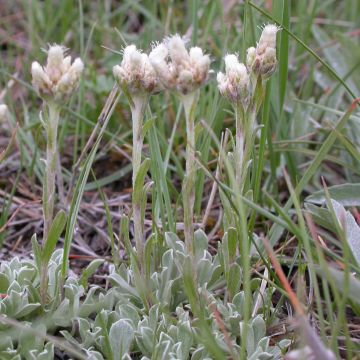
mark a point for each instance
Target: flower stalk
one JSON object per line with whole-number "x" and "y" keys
{"x": 49, "y": 191}
{"x": 54, "y": 83}
{"x": 51, "y": 127}
{"x": 184, "y": 72}
{"x": 137, "y": 111}
{"x": 137, "y": 78}
{"x": 189, "y": 103}
{"x": 243, "y": 85}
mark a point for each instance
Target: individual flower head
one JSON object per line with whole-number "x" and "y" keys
{"x": 136, "y": 73}
{"x": 3, "y": 112}
{"x": 179, "y": 69}
{"x": 262, "y": 59}
{"x": 234, "y": 84}
{"x": 59, "y": 78}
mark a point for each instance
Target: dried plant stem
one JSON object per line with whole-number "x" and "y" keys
{"x": 137, "y": 111}
{"x": 51, "y": 127}
{"x": 189, "y": 102}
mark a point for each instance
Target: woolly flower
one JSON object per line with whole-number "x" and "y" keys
{"x": 59, "y": 78}
{"x": 234, "y": 84}
{"x": 3, "y": 112}
{"x": 179, "y": 69}
{"x": 136, "y": 73}
{"x": 262, "y": 59}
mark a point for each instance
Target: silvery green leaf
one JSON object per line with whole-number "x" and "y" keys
{"x": 145, "y": 340}
{"x": 26, "y": 274}
{"x": 352, "y": 229}
{"x": 36, "y": 250}
{"x": 68, "y": 337}
{"x": 284, "y": 343}
{"x": 259, "y": 328}
{"x": 93, "y": 302}
{"x": 139, "y": 181}
{"x": 200, "y": 243}
{"x": 29, "y": 340}
{"x": 250, "y": 338}
{"x": 173, "y": 242}
{"x": 255, "y": 355}
{"x": 154, "y": 316}
{"x": 57, "y": 227}
{"x": 234, "y": 279}
{"x": 265, "y": 356}
{"x": 129, "y": 312}
{"x": 84, "y": 327}
{"x": 16, "y": 305}
{"x": 215, "y": 276}
{"x": 163, "y": 347}
{"x": 5, "y": 342}
{"x": 200, "y": 354}
{"x": 121, "y": 335}
{"x": 89, "y": 271}
{"x": 344, "y": 194}
{"x": 62, "y": 315}
{"x": 46, "y": 354}
{"x": 185, "y": 337}
{"x": 168, "y": 259}
{"x": 264, "y": 343}
{"x": 93, "y": 355}
{"x": 15, "y": 287}
{"x": 204, "y": 271}
{"x": 9, "y": 355}
{"x": 123, "y": 285}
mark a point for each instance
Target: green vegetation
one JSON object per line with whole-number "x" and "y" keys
{"x": 180, "y": 205}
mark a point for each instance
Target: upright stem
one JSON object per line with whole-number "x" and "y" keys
{"x": 239, "y": 143}
{"x": 189, "y": 102}
{"x": 51, "y": 126}
{"x": 244, "y": 142}
{"x": 137, "y": 111}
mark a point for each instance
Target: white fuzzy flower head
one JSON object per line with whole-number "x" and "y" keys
{"x": 234, "y": 84}
{"x": 262, "y": 60}
{"x": 59, "y": 78}
{"x": 179, "y": 69}
{"x": 267, "y": 38}
{"x": 136, "y": 72}
{"x": 3, "y": 112}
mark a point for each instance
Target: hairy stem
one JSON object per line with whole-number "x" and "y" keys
{"x": 51, "y": 127}
{"x": 239, "y": 144}
{"x": 189, "y": 103}
{"x": 244, "y": 143}
{"x": 137, "y": 111}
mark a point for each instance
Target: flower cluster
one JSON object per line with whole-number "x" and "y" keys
{"x": 136, "y": 73}
{"x": 59, "y": 78}
{"x": 179, "y": 69}
{"x": 261, "y": 61}
{"x": 234, "y": 84}
{"x": 3, "y": 112}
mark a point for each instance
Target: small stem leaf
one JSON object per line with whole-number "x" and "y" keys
{"x": 55, "y": 231}
{"x": 36, "y": 250}
{"x": 147, "y": 126}
{"x": 139, "y": 181}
